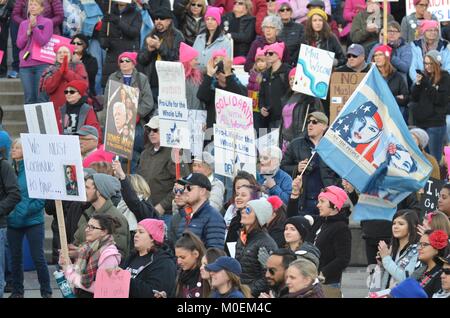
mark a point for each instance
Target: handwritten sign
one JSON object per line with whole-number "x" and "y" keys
{"x": 429, "y": 198}
{"x": 440, "y": 8}
{"x": 121, "y": 119}
{"x": 313, "y": 71}
{"x": 197, "y": 123}
{"x": 114, "y": 285}
{"x": 342, "y": 86}
{"x": 41, "y": 118}
{"x": 173, "y": 123}
{"x": 45, "y": 53}
{"x": 1, "y": 55}
{"x": 172, "y": 82}
{"x": 234, "y": 150}
{"x": 53, "y": 167}
{"x": 233, "y": 110}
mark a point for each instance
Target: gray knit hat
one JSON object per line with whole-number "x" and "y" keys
{"x": 207, "y": 158}
{"x": 309, "y": 252}
{"x": 435, "y": 56}
{"x": 263, "y": 210}
{"x": 107, "y": 185}
{"x": 421, "y": 135}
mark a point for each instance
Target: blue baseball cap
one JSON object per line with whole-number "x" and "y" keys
{"x": 227, "y": 263}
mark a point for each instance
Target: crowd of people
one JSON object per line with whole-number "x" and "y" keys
{"x": 193, "y": 234}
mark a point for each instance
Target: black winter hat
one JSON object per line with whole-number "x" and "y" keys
{"x": 302, "y": 225}
{"x": 162, "y": 13}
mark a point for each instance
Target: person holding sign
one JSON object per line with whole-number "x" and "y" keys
{"x": 34, "y": 30}
{"x": 98, "y": 252}
{"x": 27, "y": 219}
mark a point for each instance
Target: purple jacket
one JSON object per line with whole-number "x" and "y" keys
{"x": 53, "y": 10}
{"x": 40, "y": 35}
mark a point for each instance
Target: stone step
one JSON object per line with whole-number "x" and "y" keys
{"x": 13, "y": 112}
{"x": 12, "y": 98}
{"x": 15, "y": 127}
{"x": 10, "y": 85}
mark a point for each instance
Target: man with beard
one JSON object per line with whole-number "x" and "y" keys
{"x": 276, "y": 266}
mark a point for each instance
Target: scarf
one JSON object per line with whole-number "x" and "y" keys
{"x": 87, "y": 263}
{"x": 442, "y": 294}
{"x": 426, "y": 48}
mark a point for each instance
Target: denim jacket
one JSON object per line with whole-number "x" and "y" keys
{"x": 401, "y": 268}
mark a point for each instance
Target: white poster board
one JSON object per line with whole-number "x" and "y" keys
{"x": 172, "y": 82}
{"x": 268, "y": 140}
{"x": 53, "y": 167}
{"x": 173, "y": 123}
{"x": 41, "y": 118}
{"x": 441, "y": 9}
{"x": 234, "y": 150}
{"x": 233, "y": 110}
{"x": 197, "y": 124}
{"x": 313, "y": 73}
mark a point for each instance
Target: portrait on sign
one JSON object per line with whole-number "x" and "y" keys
{"x": 70, "y": 173}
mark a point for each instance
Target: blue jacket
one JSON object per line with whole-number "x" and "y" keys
{"x": 28, "y": 211}
{"x": 283, "y": 186}
{"x": 233, "y": 294}
{"x": 206, "y": 52}
{"x": 5, "y": 141}
{"x": 417, "y": 61}
{"x": 401, "y": 268}
{"x": 207, "y": 223}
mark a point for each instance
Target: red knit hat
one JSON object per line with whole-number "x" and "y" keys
{"x": 80, "y": 85}
{"x": 59, "y": 45}
{"x": 155, "y": 228}
{"x": 385, "y": 49}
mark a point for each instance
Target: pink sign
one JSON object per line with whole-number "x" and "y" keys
{"x": 45, "y": 53}
{"x": 1, "y": 55}
{"x": 114, "y": 285}
{"x": 447, "y": 158}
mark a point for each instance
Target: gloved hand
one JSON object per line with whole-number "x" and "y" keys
{"x": 65, "y": 65}
{"x": 263, "y": 256}
{"x": 111, "y": 18}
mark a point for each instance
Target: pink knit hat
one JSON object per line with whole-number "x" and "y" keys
{"x": 67, "y": 45}
{"x": 292, "y": 72}
{"x": 187, "y": 53}
{"x": 277, "y": 47}
{"x": 279, "y": 3}
{"x": 385, "y": 49}
{"x": 335, "y": 195}
{"x": 215, "y": 13}
{"x": 426, "y": 25}
{"x": 260, "y": 52}
{"x": 131, "y": 55}
{"x": 239, "y": 60}
{"x": 221, "y": 52}
{"x": 416, "y": 2}
{"x": 155, "y": 228}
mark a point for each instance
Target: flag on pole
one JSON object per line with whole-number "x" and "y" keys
{"x": 370, "y": 146}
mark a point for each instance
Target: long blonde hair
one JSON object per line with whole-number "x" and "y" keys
{"x": 140, "y": 186}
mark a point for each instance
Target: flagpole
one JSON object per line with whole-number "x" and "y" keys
{"x": 306, "y": 118}
{"x": 307, "y": 164}
{"x": 385, "y": 18}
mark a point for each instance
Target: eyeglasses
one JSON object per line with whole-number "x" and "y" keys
{"x": 178, "y": 190}
{"x": 427, "y": 63}
{"x": 393, "y": 31}
{"x": 423, "y": 5}
{"x": 312, "y": 121}
{"x": 125, "y": 60}
{"x": 239, "y": 3}
{"x": 90, "y": 227}
{"x": 352, "y": 56}
{"x": 269, "y": 53}
{"x": 446, "y": 271}
{"x": 69, "y": 91}
{"x": 423, "y": 245}
{"x": 271, "y": 271}
{"x": 76, "y": 43}
{"x": 285, "y": 9}
{"x": 432, "y": 30}
{"x": 198, "y": 5}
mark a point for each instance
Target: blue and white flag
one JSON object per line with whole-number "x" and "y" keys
{"x": 370, "y": 146}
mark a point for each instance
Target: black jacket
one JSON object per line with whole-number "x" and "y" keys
{"x": 142, "y": 209}
{"x": 332, "y": 44}
{"x": 276, "y": 231}
{"x": 292, "y": 35}
{"x": 91, "y": 66}
{"x": 335, "y": 244}
{"x": 246, "y": 34}
{"x": 345, "y": 68}
{"x": 253, "y": 274}
{"x": 431, "y": 102}
{"x": 123, "y": 36}
{"x": 398, "y": 86}
{"x": 9, "y": 191}
{"x": 159, "y": 274}
{"x": 191, "y": 27}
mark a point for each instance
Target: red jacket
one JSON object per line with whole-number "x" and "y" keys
{"x": 259, "y": 10}
{"x": 87, "y": 116}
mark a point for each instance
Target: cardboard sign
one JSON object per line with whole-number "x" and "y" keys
{"x": 234, "y": 150}
{"x": 173, "y": 123}
{"x": 342, "y": 86}
{"x": 172, "y": 82}
{"x": 440, "y": 8}
{"x": 429, "y": 199}
{"x": 447, "y": 158}
{"x": 45, "y": 54}
{"x": 197, "y": 123}
{"x": 233, "y": 110}
{"x": 1, "y": 55}
{"x": 112, "y": 285}
{"x": 121, "y": 119}
{"x": 41, "y": 118}
{"x": 313, "y": 71}
{"x": 53, "y": 167}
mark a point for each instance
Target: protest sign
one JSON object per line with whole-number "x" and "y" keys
{"x": 172, "y": 82}
{"x": 197, "y": 123}
{"x": 313, "y": 71}
{"x": 268, "y": 140}
{"x": 121, "y": 119}
{"x": 41, "y": 118}
{"x": 342, "y": 86}
{"x": 447, "y": 158}
{"x": 45, "y": 53}
{"x": 115, "y": 284}
{"x": 173, "y": 123}
{"x": 440, "y": 8}
{"x": 53, "y": 167}
{"x": 233, "y": 110}
{"x": 234, "y": 150}
{"x": 430, "y": 196}
{"x": 1, "y": 55}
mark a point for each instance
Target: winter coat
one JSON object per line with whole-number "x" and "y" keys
{"x": 122, "y": 234}
{"x": 217, "y": 193}
{"x": 292, "y": 35}
{"x": 276, "y": 231}
{"x": 207, "y": 223}
{"x": 191, "y": 96}
{"x": 313, "y": 291}
{"x": 158, "y": 169}
{"x": 9, "y": 191}
{"x": 350, "y": 11}
{"x": 28, "y": 211}
{"x": 53, "y": 10}
{"x": 300, "y": 11}
{"x": 400, "y": 268}
{"x": 138, "y": 80}
{"x": 147, "y": 60}
{"x": 234, "y": 293}
{"x": 123, "y": 37}
{"x": 159, "y": 273}
{"x": 443, "y": 48}
{"x": 332, "y": 236}
{"x": 253, "y": 273}
{"x": 191, "y": 28}
{"x": 331, "y": 44}
{"x": 429, "y": 280}
{"x": 40, "y": 36}
{"x": 91, "y": 66}
{"x": 431, "y": 102}
{"x": 222, "y": 42}
{"x": 398, "y": 86}
{"x": 410, "y": 27}
{"x": 282, "y": 187}
{"x": 246, "y": 34}
{"x": 261, "y": 42}
{"x": 86, "y": 116}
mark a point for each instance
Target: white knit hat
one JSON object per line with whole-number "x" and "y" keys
{"x": 262, "y": 209}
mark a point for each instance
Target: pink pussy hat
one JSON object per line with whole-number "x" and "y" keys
{"x": 187, "y": 53}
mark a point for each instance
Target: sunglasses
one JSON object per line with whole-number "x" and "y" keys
{"x": 269, "y": 53}
{"x": 285, "y": 9}
{"x": 154, "y": 130}
{"x": 198, "y": 5}
{"x": 69, "y": 91}
{"x": 178, "y": 190}
{"x": 446, "y": 271}
{"x": 189, "y": 187}
{"x": 77, "y": 43}
{"x": 239, "y": 3}
{"x": 247, "y": 210}
{"x": 352, "y": 56}
{"x": 312, "y": 121}
{"x": 125, "y": 60}
{"x": 271, "y": 271}
{"x": 270, "y": 1}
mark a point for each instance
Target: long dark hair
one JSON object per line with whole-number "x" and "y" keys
{"x": 280, "y": 217}
{"x": 169, "y": 35}
{"x": 310, "y": 34}
{"x": 107, "y": 222}
{"x": 243, "y": 175}
{"x": 412, "y": 219}
{"x": 191, "y": 242}
{"x": 216, "y": 34}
